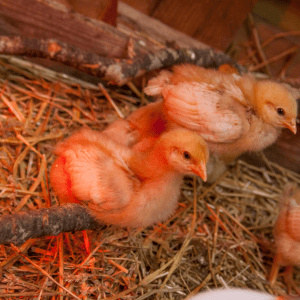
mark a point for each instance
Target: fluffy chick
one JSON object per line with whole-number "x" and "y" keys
{"x": 235, "y": 294}
{"x": 129, "y": 187}
{"x": 287, "y": 236}
{"x": 233, "y": 114}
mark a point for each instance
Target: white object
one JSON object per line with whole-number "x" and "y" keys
{"x": 233, "y": 294}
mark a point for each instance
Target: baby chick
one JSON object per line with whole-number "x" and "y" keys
{"x": 287, "y": 236}
{"x": 128, "y": 187}
{"x": 235, "y": 294}
{"x": 232, "y": 113}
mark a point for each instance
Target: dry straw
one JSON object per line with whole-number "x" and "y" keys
{"x": 220, "y": 235}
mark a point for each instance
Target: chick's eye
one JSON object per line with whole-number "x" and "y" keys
{"x": 280, "y": 111}
{"x": 186, "y": 155}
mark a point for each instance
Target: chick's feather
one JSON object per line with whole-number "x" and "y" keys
{"x": 286, "y": 230}
{"x": 125, "y": 186}
{"x": 89, "y": 166}
{"x": 234, "y": 114}
{"x": 229, "y": 118}
{"x": 287, "y": 236}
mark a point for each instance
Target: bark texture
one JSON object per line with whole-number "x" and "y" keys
{"x": 117, "y": 71}
{"x": 19, "y": 227}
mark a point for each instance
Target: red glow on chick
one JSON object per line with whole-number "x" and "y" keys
{"x": 232, "y": 113}
{"x": 123, "y": 186}
{"x": 287, "y": 237}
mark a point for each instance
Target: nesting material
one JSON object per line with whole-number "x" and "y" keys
{"x": 221, "y": 234}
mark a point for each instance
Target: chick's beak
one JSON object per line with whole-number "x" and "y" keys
{"x": 291, "y": 125}
{"x": 200, "y": 171}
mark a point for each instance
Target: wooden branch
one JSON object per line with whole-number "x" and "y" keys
{"x": 114, "y": 70}
{"x": 19, "y": 227}
{"x": 50, "y": 19}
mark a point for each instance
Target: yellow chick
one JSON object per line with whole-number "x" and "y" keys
{"x": 287, "y": 237}
{"x": 129, "y": 187}
{"x": 233, "y": 114}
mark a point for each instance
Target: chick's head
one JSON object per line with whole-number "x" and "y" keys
{"x": 186, "y": 152}
{"x": 276, "y": 105}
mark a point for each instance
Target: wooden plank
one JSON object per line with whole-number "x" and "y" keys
{"x": 48, "y": 19}
{"x": 153, "y": 28}
{"x": 290, "y": 19}
{"x": 104, "y": 10}
{"x": 146, "y": 7}
{"x": 211, "y": 22}
{"x": 222, "y": 22}
{"x": 90, "y": 8}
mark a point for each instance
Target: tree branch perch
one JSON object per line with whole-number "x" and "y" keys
{"x": 118, "y": 71}
{"x": 19, "y": 227}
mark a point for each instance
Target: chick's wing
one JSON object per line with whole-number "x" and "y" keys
{"x": 293, "y": 228}
{"x": 95, "y": 177}
{"x": 216, "y": 113}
